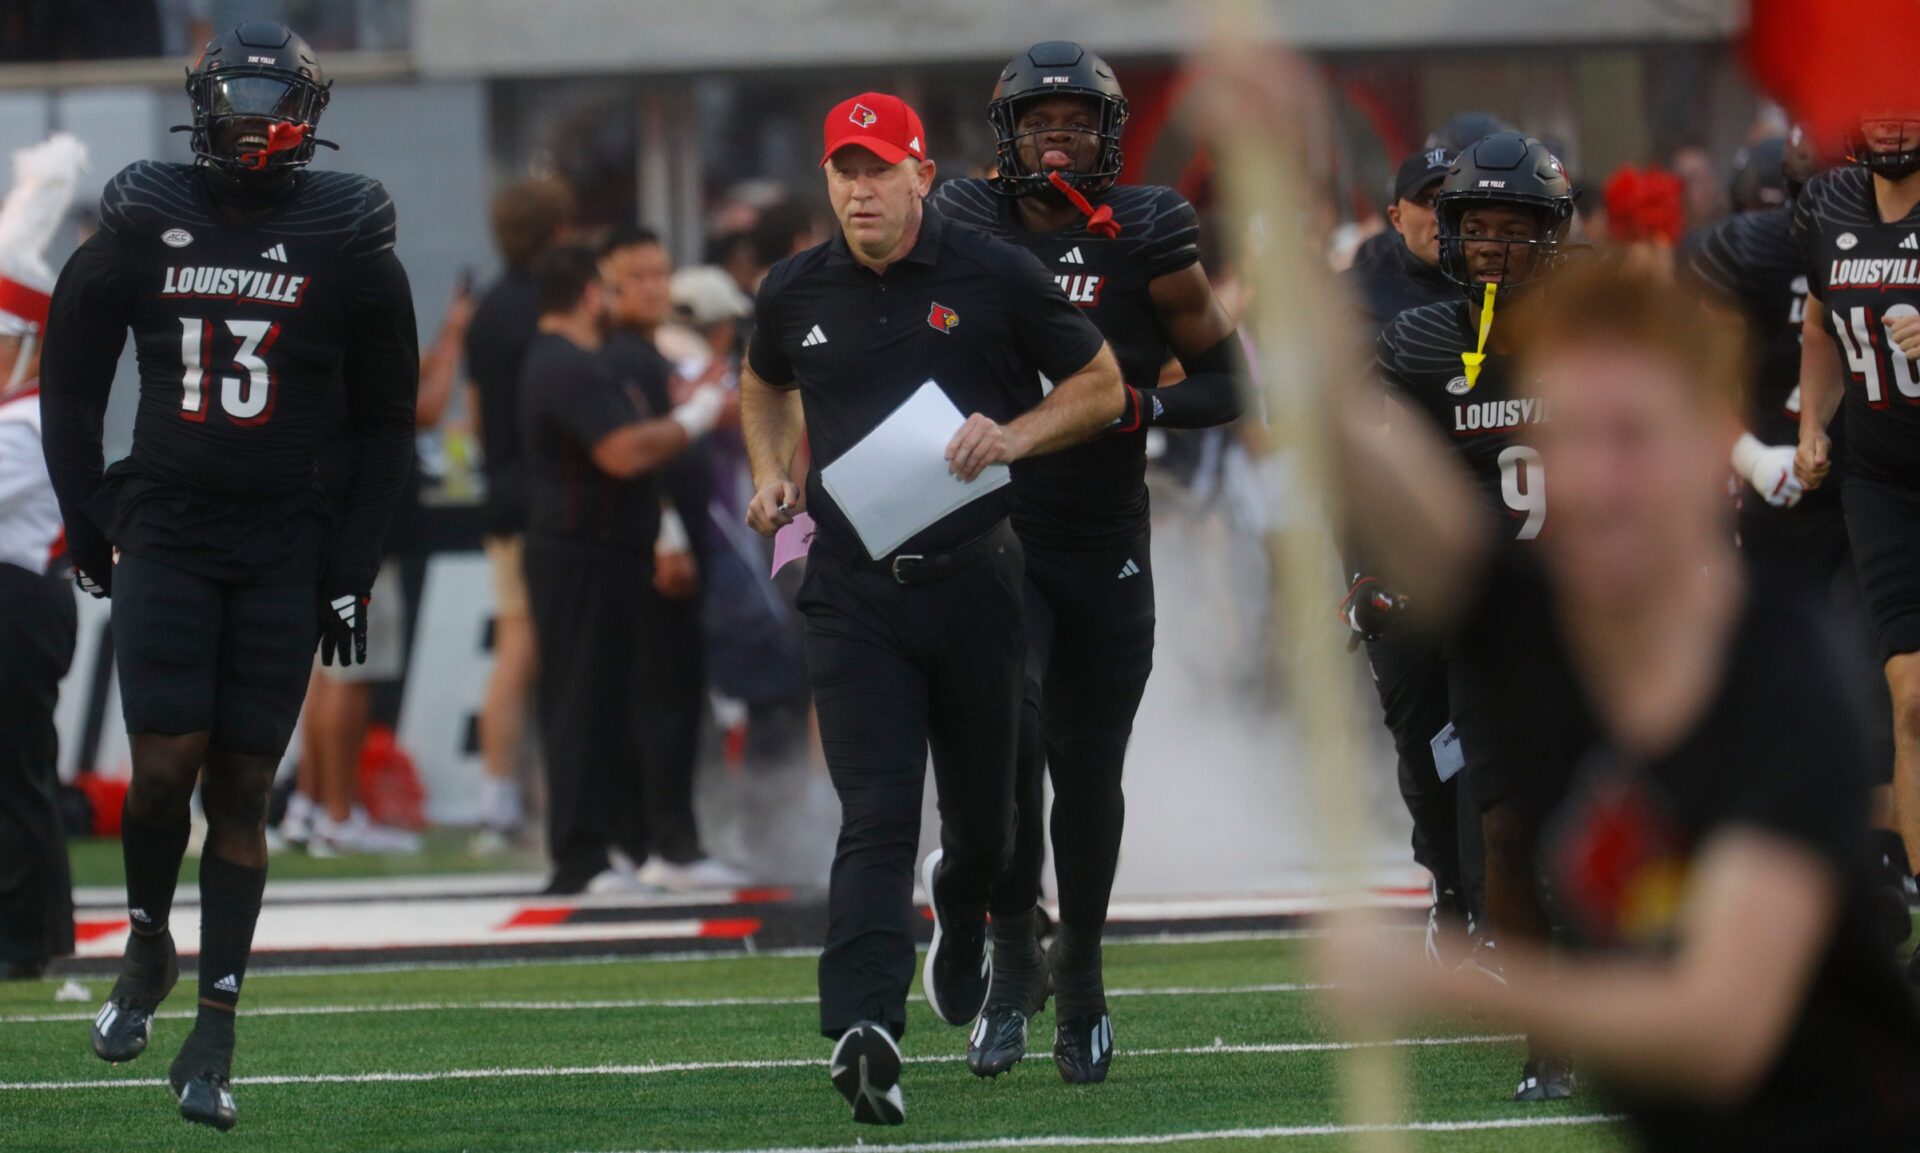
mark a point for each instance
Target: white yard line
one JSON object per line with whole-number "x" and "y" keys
{"x": 619, "y": 1003}
{"x": 651, "y": 1068}
{"x": 1267, "y": 1133}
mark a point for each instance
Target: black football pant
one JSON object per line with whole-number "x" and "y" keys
{"x": 38, "y": 623}
{"x": 1410, "y": 675}
{"x": 897, "y": 670}
{"x": 1090, "y": 622}
{"x": 655, "y": 814}
{"x": 604, "y": 701}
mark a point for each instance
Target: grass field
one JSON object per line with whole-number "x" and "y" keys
{"x": 96, "y": 861}
{"x": 664, "y": 1055}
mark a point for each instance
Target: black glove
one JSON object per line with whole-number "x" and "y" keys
{"x": 1369, "y": 609}
{"x": 92, "y": 570}
{"x": 343, "y": 629}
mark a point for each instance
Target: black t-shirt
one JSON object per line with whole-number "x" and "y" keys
{"x": 978, "y": 316}
{"x": 1865, "y": 272}
{"x": 504, "y": 324}
{"x": 688, "y": 480}
{"x": 1095, "y": 493}
{"x": 569, "y": 399}
{"x": 1388, "y": 279}
{"x": 241, "y": 331}
{"x": 1779, "y": 750}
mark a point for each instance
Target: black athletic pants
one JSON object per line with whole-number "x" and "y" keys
{"x": 674, "y": 676}
{"x": 1410, "y": 675}
{"x": 1090, "y": 622}
{"x": 898, "y": 669}
{"x": 37, "y": 629}
{"x": 603, "y": 702}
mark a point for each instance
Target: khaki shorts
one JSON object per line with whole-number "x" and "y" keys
{"x": 507, "y": 556}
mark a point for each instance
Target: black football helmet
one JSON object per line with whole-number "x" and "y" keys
{"x": 257, "y": 94}
{"x": 1464, "y": 129}
{"x": 1055, "y": 68}
{"x": 1893, "y": 165}
{"x": 1509, "y": 170}
{"x": 1759, "y": 176}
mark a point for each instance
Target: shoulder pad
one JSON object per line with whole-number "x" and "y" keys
{"x": 969, "y": 201}
{"x": 354, "y": 208}
{"x": 151, "y": 196}
{"x": 1164, "y": 228}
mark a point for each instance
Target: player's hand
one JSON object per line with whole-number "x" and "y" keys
{"x": 1370, "y": 609}
{"x": 93, "y": 572}
{"x": 979, "y": 443}
{"x": 773, "y": 507}
{"x": 1774, "y": 476}
{"x": 1904, "y": 332}
{"x": 343, "y": 629}
{"x": 676, "y": 575}
{"x": 1813, "y": 458}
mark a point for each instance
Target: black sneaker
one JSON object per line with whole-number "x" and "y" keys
{"x": 866, "y": 1069}
{"x": 1083, "y": 1049}
{"x": 148, "y": 973}
{"x": 1545, "y": 1079}
{"x": 999, "y": 1038}
{"x": 201, "y": 1077}
{"x": 959, "y": 967}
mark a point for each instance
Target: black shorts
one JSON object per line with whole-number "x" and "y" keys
{"x": 1883, "y": 521}
{"x": 199, "y": 655}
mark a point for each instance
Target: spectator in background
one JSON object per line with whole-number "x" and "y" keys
{"x": 658, "y": 834}
{"x": 528, "y": 218}
{"x": 593, "y": 447}
{"x": 1703, "y": 193}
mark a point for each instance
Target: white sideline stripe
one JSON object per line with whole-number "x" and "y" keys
{"x": 1108, "y": 1142}
{"x": 783, "y": 1063}
{"x": 622, "y": 1003}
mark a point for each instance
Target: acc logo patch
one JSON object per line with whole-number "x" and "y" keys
{"x": 942, "y": 319}
{"x": 862, "y": 116}
{"x": 1799, "y": 286}
{"x": 1459, "y": 386}
{"x": 1845, "y": 241}
{"x": 176, "y": 238}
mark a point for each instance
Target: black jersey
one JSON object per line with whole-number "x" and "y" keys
{"x": 1865, "y": 272}
{"x": 1095, "y": 493}
{"x": 1418, "y": 359}
{"x": 240, "y": 330}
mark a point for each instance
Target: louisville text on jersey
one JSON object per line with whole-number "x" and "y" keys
{"x": 1874, "y": 274}
{"x": 1497, "y": 415}
{"x": 1081, "y": 288}
{"x": 278, "y": 288}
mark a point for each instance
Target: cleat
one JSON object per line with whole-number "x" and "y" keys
{"x": 206, "y": 1100}
{"x": 866, "y": 1069}
{"x": 124, "y": 1024}
{"x": 999, "y": 1039}
{"x": 954, "y": 982}
{"x": 1083, "y": 1049}
{"x": 1546, "y": 1079}
{"x": 201, "y": 1077}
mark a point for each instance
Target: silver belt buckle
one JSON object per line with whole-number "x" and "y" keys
{"x": 898, "y": 579}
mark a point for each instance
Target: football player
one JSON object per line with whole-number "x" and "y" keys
{"x": 1504, "y": 211}
{"x": 1130, "y": 257}
{"x": 251, "y": 285}
{"x": 1860, "y": 349}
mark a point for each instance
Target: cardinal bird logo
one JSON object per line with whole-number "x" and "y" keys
{"x": 862, "y": 116}
{"x": 942, "y": 318}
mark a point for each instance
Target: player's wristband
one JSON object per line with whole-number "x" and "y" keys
{"x": 701, "y": 411}
{"x": 673, "y": 532}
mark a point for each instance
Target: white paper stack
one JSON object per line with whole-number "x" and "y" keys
{"x": 895, "y": 482}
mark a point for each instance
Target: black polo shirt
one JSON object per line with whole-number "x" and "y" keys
{"x": 569, "y": 398}
{"x": 977, "y": 315}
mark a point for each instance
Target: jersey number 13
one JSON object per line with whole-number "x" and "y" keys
{"x": 247, "y": 400}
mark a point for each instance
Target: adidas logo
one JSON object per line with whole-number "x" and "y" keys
{"x": 1073, "y": 256}
{"x": 228, "y": 984}
{"x": 140, "y": 915}
{"x": 814, "y": 336}
{"x": 1912, "y": 240}
{"x": 1101, "y": 1041}
{"x": 1129, "y": 569}
{"x": 277, "y": 252}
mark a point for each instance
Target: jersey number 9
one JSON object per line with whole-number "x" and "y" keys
{"x": 245, "y": 401}
{"x": 1523, "y": 486}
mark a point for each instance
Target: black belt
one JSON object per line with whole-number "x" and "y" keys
{"x": 924, "y": 568}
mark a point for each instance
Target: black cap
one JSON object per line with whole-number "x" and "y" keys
{"x": 1419, "y": 171}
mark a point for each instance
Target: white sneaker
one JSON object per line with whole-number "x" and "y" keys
{"x": 357, "y": 834}
{"x": 492, "y": 842}
{"x": 613, "y": 880}
{"x": 707, "y": 873}
{"x": 296, "y": 824}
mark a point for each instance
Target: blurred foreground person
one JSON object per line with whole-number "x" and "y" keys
{"x": 1711, "y": 858}
{"x": 38, "y": 622}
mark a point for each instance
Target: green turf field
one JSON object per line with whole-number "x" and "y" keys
{"x": 96, "y": 861}
{"x": 637, "y": 1054}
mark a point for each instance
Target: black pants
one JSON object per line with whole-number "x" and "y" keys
{"x": 1410, "y": 675}
{"x": 37, "y": 629}
{"x": 1090, "y": 621}
{"x": 658, "y": 816}
{"x": 602, "y": 702}
{"x": 897, "y": 670}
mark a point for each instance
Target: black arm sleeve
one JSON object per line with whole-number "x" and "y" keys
{"x": 1213, "y": 393}
{"x": 86, "y": 329}
{"x": 382, "y": 372}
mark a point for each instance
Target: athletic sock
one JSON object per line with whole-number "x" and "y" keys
{"x": 208, "y": 1047}
{"x": 229, "y": 907}
{"x": 1017, "y": 959}
{"x": 152, "y": 855}
{"x": 1078, "y": 987}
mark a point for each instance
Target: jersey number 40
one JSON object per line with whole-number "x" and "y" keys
{"x": 1870, "y": 361}
{"x": 246, "y": 400}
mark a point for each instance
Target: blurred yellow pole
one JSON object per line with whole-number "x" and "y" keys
{"x": 1304, "y": 346}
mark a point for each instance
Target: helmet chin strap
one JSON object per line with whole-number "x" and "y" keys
{"x": 1100, "y": 220}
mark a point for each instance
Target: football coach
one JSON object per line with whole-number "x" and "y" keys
{"x": 922, "y": 647}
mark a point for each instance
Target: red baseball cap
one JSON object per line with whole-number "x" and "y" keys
{"x": 879, "y": 123}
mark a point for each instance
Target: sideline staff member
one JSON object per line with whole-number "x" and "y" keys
{"x": 924, "y": 646}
